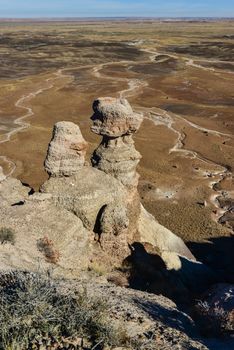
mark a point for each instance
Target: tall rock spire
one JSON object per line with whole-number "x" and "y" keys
{"x": 115, "y": 120}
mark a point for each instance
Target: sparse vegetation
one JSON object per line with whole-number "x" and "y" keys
{"x": 36, "y": 314}
{"x": 46, "y": 246}
{"x": 214, "y": 320}
{"x": 98, "y": 268}
{"x": 7, "y": 235}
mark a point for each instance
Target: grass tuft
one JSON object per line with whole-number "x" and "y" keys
{"x": 36, "y": 314}
{"x": 7, "y": 235}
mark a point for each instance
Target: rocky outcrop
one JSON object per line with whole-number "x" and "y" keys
{"x": 98, "y": 200}
{"x": 66, "y": 152}
{"x": 93, "y": 215}
{"x": 45, "y": 236}
{"x": 12, "y": 192}
{"x": 149, "y": 321}
{"x": 166, "y": 242}
{"x": 89, "y": 220}
{"x": 116, "y": 122}
{"x": 85, "y": 194}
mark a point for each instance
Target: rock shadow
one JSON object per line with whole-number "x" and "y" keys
{"x": 149, "y": 273}
{"x": 168, "y": 316}
{"x": 217, "y": 253}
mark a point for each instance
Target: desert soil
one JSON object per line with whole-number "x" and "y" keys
{"x": 178, "y": 74}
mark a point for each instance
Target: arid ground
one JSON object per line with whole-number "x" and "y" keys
{"x": 179, "y": 74}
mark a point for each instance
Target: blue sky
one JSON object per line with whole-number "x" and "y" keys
{"x": 106, "y": 8}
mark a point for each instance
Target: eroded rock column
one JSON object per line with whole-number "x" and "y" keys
{"x": 116, "y": 122}
{"x": 66, "y": 151}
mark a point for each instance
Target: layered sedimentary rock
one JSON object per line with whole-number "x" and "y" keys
{"x": 67, "y": 149}
{"x": 93, "y": 215}
{"x": 116, "y": 122}
{"x": 97, "y": 198}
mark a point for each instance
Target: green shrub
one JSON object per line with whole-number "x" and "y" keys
{"x": 35, "y": 312}
{"x": 7, "y": 235}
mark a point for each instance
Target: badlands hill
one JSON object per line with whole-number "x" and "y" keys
{"x": 87, "y": 226}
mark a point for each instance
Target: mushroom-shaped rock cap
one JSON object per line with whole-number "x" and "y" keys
{"x": 114, "y": 117}
{"x": 66, "y": 151}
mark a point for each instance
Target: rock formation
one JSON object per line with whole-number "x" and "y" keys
{"x": 96, "y": 198}
{"x": 116, "y": 122}
{"x": 12, "y": 191}
{"x": 89, "y": 218}
{"x": 93, "y": 215}
{"x": 67, "y": 149}
{"x": 37, "y": 220}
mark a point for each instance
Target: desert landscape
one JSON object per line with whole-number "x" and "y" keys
{"x": 178, "y": 75}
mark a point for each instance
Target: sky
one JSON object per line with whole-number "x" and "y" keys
{"x": 116, "y": 8}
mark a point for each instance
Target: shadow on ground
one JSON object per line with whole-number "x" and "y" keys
{"x": 217, "y": 253}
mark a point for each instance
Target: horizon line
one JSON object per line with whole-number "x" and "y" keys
{"x": 116, "y": 17}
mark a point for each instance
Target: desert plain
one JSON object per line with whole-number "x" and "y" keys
{"x": 179, "y": 74}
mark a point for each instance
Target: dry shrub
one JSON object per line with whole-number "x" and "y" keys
{"x": 36, "y": 313}
{"x": 118, "y": 279}
{"x": 46, "y": 246}
{"x": 214, "y": 320}
{"x": 7, "y": 235}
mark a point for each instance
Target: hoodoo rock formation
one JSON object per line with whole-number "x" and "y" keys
{"x": 67, "y": 149}
{"x": 90, "y": 214}
{"x": 116, "y": 156}
{"x": 116, "y": 122}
